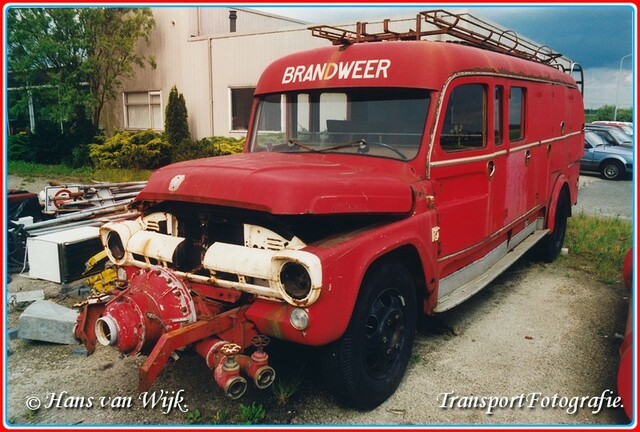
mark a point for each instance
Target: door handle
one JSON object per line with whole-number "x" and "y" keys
{"x": 527, "y": 157}
{"x": 491, "y": 169}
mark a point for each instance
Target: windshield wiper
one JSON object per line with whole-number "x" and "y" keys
{"x": 358, "y": 143}
{"x": 304, "y": 146}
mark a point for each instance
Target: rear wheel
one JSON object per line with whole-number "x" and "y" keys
{"x": 366, "y": 365}
{"x": 551, "y": 245}
{"x": 612, "y": 170}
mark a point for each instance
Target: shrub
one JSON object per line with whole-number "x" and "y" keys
{"x": 19, "y": 148}
{"x": 206, "y": 147}
{"x": 189, "y": 150}
{"x": 226, "y": 146}
{"x": 138, "y": 150}
{"x": 175, "y": 124}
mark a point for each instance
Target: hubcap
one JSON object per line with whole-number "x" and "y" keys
{"x": 384, "y": 332}
{"x": 611, "y": 171}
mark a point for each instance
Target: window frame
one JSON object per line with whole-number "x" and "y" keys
{"x": 231, "y": 124}
{"x": 150, "y": 94}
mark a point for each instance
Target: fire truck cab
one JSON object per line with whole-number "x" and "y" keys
{"x": 384, "y": 177}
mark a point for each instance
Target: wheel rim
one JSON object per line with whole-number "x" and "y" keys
{"x": 384, "y": 332}
{"x": 611, "y": 171}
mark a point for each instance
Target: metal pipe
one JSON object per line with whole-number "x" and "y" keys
{"x": 112, "y": 208}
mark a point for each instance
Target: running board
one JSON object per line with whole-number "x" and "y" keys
{"x": 470, "y": 288}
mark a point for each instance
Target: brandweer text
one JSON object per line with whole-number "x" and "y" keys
{"x": 359, "y": 69}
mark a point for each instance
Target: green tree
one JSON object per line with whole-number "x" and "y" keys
{"x": 176, "y": 127}
{"x": 79, "y": 55}
{"x": 605, "y": 112}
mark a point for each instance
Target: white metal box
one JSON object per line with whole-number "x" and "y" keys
{"x": 61, "y": 256}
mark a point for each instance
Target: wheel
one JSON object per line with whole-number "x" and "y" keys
{"x": 550, "y": 246}
{"x": 612, "y": 170}
{"x": 366, "y": 365}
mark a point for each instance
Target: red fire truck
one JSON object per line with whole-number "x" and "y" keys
{"x": 384, "y": 177}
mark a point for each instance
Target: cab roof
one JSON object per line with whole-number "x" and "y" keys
{"x": 411, "y": 64}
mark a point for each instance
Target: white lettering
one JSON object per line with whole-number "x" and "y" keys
{"x": 344, "y": 70}
{"x": 308, "y": 76}
{"x": 383, "y": 66}
{"x": 368, "y": 70}
{"x": 297, "y": 75}
{"x": 359, "y": 69}
{"x": 319, "y": 71}
{"x": 287, "y": 77}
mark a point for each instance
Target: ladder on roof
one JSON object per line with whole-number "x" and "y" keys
{"x": 466, "y": 28}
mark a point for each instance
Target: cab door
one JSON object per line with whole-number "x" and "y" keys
{"x": 462, "y": 169}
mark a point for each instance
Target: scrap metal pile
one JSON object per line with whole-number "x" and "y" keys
{"x": 63, "y": 207}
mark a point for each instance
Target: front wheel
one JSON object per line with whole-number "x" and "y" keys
{"x": 366, "y": 365}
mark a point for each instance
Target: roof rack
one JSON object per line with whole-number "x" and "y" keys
{"x": 467, "y": 28}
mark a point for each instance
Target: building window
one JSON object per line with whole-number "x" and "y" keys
{"x": 516, "y": 113}
{"x": 143, "y": 110}
{"x": 241, "y": 102}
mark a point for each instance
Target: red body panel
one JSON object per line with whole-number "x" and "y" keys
{"x": 287, "y": 184}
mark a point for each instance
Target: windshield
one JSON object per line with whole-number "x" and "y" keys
{"x": 593, "y": 139}
{"x": 363, "y": 121}
{"x": 620, "y": 136}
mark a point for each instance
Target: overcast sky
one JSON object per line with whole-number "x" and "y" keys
{"x": 597, "y": 37}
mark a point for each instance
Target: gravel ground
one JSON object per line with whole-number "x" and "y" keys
{"x": 539, "y": 337}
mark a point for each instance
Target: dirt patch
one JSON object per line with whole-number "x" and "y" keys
{"x": 537, "y": 330}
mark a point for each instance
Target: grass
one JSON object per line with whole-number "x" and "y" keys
{"x": 597, "y": 246}
{"x": 283, "y": 389}
{"x": 84, "y": 174}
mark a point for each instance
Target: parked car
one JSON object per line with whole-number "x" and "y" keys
{"x": 625, "y": 127}
{"x": 611, "y": 134}
{"x": 611, "y": 161}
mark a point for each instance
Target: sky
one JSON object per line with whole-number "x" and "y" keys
{"x": 599, "y": 37}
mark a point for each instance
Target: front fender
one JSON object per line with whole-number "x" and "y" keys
{"x": 344, "y": 264}
{"x": 559, "y": 184}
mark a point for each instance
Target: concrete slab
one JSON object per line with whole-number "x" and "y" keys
{"x": 49, "y": 322}
{"x": 25, "y": 296}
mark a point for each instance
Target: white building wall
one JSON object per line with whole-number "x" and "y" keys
{"x": 210, "y": 21}
{"x": 238, "y": 61}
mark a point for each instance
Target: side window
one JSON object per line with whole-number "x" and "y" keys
{"x": 271, "y": 118}
{"x": 497, "y": 115}
{"x": 516, "y": 113}
{"x": 464, "y": 120}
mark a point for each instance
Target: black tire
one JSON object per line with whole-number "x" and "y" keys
{"x": 550, "y": 246}
{"x": 365, "y": 366}
{"x": 612, "y": 170}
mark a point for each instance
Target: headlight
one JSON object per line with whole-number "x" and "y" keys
{"x": 115, "y": 237}
{"x": 115, "y": 246}
{"x": 295, "y": 280}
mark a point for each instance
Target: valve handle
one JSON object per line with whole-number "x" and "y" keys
{"x": 260, "y": 341}
{"x": 230, "y": 349}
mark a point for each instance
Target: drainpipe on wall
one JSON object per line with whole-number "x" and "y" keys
{"x": 210, "y": 69}
{"x": 233, "y": 16}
